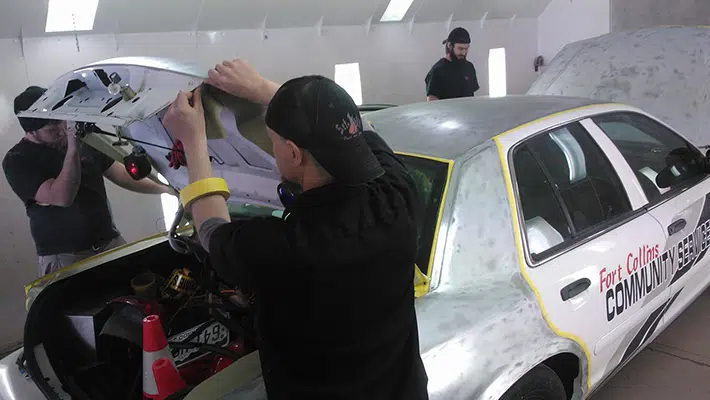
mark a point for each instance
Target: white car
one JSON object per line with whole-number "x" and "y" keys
{"x": 561, "y": 236}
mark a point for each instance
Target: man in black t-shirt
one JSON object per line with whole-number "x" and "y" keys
{"x": 61, "y": 183}
{"x": 453, "y": 76}
{"x": 334, "y": 278}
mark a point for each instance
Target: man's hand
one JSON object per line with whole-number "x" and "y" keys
{"x": 236, "y": 77}
{"x": 239, "y": 78}
{"x": 185, "y": 119}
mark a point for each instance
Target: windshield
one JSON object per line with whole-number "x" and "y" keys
{"x": 430, "y": 178}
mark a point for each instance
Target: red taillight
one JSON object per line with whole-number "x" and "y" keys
{"x": 137, "y": 163}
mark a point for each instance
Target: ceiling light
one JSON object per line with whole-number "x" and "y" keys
{"x": 71, "y": 15}
{"x": 396, "y": 10}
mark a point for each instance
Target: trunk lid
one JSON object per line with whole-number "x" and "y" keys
{"x": 128, "y": 96}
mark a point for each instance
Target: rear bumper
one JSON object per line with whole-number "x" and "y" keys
{"x": 14, "y": 383}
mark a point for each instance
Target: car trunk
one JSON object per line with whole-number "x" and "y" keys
{"x": 93, "y": 343}
{"x": 119, "y": 104}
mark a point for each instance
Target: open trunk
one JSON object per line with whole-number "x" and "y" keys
{"x": 89, "y": 326}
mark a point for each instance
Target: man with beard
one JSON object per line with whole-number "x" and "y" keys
{"x": 453, "y": 76}
{"x": 61, "y": 184}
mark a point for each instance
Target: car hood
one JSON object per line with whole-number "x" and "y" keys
{"x": 239, "y": 147}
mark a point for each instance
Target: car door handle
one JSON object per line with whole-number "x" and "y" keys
{"x": 676, "y": 227}
{"x": 575, "y": 288}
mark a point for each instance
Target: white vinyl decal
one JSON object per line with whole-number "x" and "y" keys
{"x": 649, "y": 269}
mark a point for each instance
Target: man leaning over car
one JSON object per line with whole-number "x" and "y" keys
{"x": 333, "y": 280}
{"x": 61, "y": 184}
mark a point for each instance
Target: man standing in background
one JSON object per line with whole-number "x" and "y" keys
{"x": 61, "y": 184}
{"x": 453, "y": 76}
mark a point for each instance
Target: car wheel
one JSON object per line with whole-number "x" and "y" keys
{"x": 542, "y": 383}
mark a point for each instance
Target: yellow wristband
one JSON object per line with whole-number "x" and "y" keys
{"x": 202, "y": 188}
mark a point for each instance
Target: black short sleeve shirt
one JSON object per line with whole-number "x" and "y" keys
{"x": 448, "y": 80}
{"x": 86, "y": 223}
{"x": 334, "y": 288}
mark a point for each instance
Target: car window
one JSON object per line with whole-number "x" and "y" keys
{"x": 646, "y": 146}
{"x": 567, "y": 188}
{"x": 253, "y": 210}
{"x": 430, "y": 179}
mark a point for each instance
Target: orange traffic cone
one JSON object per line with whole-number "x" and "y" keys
{"x": 167, "y": 378}
{"x": 155, "y": 347}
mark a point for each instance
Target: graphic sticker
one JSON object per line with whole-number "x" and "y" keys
{"x": 648, "y": 269}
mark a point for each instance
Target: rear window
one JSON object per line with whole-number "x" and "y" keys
{"x": 430, "y": 177}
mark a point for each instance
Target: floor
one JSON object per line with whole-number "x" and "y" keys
{"x": 676, "y": 366}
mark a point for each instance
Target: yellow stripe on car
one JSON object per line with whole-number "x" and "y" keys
{"x": 422, "y": 287}
{"x": 518, "y": 237}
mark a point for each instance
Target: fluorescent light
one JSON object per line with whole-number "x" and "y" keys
{"x": 396, "y": 10}
{"x": 348, "y": 77}
{"x": 497, "y": 76}
{"x": 71, "y": 15}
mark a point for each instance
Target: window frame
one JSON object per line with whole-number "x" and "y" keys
{"x": 671, "y": 194}
{"x": 586, "y": 235}
{"x": 425, "y": 287}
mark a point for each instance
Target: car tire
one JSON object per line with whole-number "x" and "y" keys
{"x": 542, "y": 383}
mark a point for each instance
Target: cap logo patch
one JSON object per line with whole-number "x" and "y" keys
{"x": 350, "y": 127}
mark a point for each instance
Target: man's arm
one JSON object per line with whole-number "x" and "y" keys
{"x": 61, "y": 191}
{"x": 187, "y": 123}
{"x": 117, "y": 174}
{"x": 476, "y": 86}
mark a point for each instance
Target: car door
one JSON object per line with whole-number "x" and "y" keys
{"x": 683, "y": 209}
{"x": 589, "y": 243}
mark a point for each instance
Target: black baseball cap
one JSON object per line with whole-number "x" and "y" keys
{"x": 23, "y": 102}
{"x": 458, "y": 35}
{"x": 318, "y": 115}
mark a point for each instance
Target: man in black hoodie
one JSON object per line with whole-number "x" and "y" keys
{"x": 334, "y": 278}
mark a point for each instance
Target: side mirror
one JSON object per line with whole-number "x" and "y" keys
{"x": 681, "y": 164}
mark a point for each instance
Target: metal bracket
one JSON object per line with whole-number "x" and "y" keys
{"x": 197, "y": 24}
{"x": 449, "y": 21}
{"x": 22, "y": 42}
{"x": 120, "y": 138}
{"x": 512, "y": 19}
{"x": 116, "y": 33}
{"x": 483, "y": 19}
{"x": 179, "y": 243}
{"x": 368, "y": 26}
{"x": 319, "y": 26}
{"x": 264, "y": 35}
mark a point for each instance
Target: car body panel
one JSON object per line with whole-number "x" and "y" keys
{"x": 15, "y": 383}
{"x": 649, "y": 68}
{"x": 35, "y": 288}
{"x": 451, "y": 128}
{"x": 249, "y": 169}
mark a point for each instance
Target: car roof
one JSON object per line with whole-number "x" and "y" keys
{"x": 450, "y": 128}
